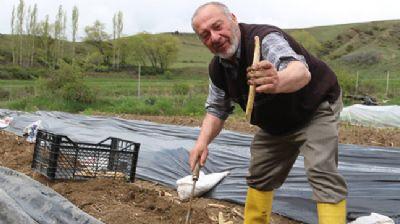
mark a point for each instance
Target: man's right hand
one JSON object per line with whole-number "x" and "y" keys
{"x": 199, "y": 153}
{"x": 210, "y": 128}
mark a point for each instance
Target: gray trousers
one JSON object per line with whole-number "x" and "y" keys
{"x": 272, "y": 157}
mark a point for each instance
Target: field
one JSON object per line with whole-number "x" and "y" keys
{"x": 115, "y": 201}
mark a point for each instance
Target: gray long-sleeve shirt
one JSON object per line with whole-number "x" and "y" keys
{"x": 275, "y": 49}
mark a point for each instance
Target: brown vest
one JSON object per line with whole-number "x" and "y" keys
{"x": 277, "y": 114}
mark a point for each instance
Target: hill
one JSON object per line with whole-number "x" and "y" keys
{"x": 370, "y": 48}
{"x": 364, "y": 55}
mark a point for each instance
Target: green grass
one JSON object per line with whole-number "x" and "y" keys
{"x": 192, "y": 53}
{"x": 118, "y": 92}
{"x": 117, "y": 95}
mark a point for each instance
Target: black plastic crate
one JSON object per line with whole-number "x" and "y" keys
{"x": 58, "y": 157}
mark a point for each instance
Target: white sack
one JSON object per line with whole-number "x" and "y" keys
{"x": 5, "y": 122}
{"x": 204, "y": 184}
{"x": 31, "y": 131}
{"x": 374, "y": 218}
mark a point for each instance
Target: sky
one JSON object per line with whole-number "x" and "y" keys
{"x": 155, "y": 16}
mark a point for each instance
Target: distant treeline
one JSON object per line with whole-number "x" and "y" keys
{"x": 43, "y": 43}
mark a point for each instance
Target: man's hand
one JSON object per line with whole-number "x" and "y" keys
{"x": 264, "y": 76}
{"x": 198, "y": 154}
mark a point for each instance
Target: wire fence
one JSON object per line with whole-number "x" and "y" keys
{"x": 10, "y": 93}
{"x": 378, "y": 87}
{"x": 383, "y": 89}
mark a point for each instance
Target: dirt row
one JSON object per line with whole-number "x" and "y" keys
{"x": 348, "y": 134}
{"x": 116, "y": 201}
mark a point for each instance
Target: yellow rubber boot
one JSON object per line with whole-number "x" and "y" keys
{"x": 258, "y": 206}
{"x": 332, "y": 213}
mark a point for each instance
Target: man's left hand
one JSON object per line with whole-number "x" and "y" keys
{"x": 264, "y": 76}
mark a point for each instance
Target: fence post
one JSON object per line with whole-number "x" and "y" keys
{"x": 138, "y": 93}
{"x": 387, "y": 83}
{"x": 357, "y": 83}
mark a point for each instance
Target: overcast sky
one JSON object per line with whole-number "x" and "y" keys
{"x": 156, "y": 16}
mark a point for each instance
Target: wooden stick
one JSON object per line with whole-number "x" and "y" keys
{"x": 252, "y": 89}
{"x": 234, "y": 210}
{"x": 216, "y": 206}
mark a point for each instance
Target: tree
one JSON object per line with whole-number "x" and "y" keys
{"x": 12, "y": 35}
{"x": 58, "y": 26}
{"x": 63, "y": 37}
{"x": 117, "y": 30}
{"x": 20, "y": 28}
{"x": 96, "y": 36}
{"x": 33, "y": 31}
{"x": 114, "y": 38}
{"x": 134, "y": 50}
{"x": 75, "y": 15}
{"x": 44, "y": 32}
{"x": 161, "y": 50}
{"x": 120, "y": 27}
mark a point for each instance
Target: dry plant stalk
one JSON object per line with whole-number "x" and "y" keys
{"x": 252, "y": 89}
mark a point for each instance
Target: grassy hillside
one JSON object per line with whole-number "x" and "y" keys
{"x": 370, "y": 48}
{"x": 369, "y": 51}
{"x": 192, "y": 53}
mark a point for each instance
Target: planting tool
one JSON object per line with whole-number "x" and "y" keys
{"x": 252, "y": 89}
{"x": 195, "y": 178}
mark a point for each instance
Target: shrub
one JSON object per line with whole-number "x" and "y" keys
{"x": 17, "y": 72}
{"x": 346, "y": 80}
{"x": 363, "y": 58}
{"x": 368, "y": 87}
{"x": 67, "y": 82}
{"x": 102, "y": 68}
{"x": 4, "y": 94}
{"x": 349, "y": 48}
{"x": 77, "y": 92}
{"x": 181, "y": 88}
{"x": 4, "y": 74}
{"x": 150, "y": 101}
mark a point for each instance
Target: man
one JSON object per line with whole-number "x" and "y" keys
{"x": 297, "y": 107}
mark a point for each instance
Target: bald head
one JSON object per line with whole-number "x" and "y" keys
{"x": 217, "y": 28}
{"x": 217, "y": 5}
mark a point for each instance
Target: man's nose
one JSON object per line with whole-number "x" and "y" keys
{"x": 215, "y": 37}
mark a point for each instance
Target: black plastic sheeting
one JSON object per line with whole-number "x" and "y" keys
{"x": 24, "y": 200}
{"x": 372, "y": 173}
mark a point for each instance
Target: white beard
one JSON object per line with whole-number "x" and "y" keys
{"x": 232, "y": 49}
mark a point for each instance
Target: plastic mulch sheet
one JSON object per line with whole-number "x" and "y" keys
{"x": 372, "y": 173}
{"x": 375, "y": 116}
{"x": 24, "y": 200}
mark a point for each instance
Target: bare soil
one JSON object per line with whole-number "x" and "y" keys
{"x": 348, "y": 134}
{"x": 116, "y": 201}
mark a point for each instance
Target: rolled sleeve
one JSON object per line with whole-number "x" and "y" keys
{"x": 276, "y": 49}
{"x": 218, "y": 104}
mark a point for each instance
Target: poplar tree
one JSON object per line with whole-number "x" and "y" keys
{"x": 12, "y": 35}
{"x": 46, "y": 39}
{"x": 57, "y": 35}
{"x": 33, "y": 31}
{"x": 63, "y": 36}
{"x": 26, "y": 39}
{"x": 120, "y": 27}
{"x": 20, "y": 28}
{"x": 75, "y": 15}
{"x": 114, "y": 38}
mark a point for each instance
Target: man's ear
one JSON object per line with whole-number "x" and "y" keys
{"x": 234, "y": 19}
